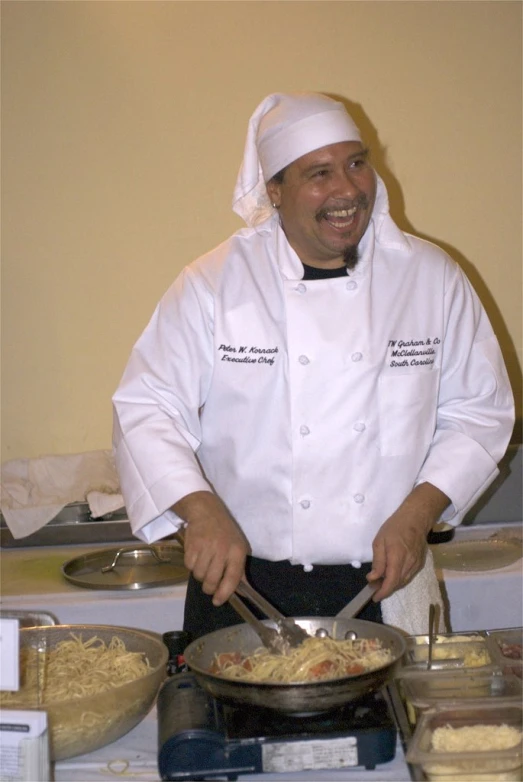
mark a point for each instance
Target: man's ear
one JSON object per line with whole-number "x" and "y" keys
{"x": 274, "y": 193}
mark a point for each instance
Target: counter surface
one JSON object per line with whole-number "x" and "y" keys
{"x": 30, "y": 579}
{"x": 133, "y": 757}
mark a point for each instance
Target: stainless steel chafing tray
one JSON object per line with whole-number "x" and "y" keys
{"x": 74, "y": 524}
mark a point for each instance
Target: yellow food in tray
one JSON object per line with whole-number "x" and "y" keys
{"x": 471, "y": 739}
{"x": 474, "y": 738}
{"x": 468, "y": 651}
{"x": 472, "y": 657}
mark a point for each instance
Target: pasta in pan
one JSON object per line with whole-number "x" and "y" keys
{"x": 316, "y": 659}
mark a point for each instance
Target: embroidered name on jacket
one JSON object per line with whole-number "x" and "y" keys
{"x": 412, "y": 352}
{"x": 248, "y": 354}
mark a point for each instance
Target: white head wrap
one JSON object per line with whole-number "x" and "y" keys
{"x": 283, "y": 128}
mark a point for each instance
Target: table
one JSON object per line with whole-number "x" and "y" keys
{"x": 31, "y": 580}
{"x": 135, "y": 755}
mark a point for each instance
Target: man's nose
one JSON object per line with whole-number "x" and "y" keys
{"x": 346, "y": 186}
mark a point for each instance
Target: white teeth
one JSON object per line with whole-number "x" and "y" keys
{"x": 342, "y": 212}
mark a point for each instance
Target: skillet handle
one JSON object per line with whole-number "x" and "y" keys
{"x": 355, "y": 605}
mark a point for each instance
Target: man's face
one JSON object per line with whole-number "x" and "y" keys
{"x": 325, "y": 202}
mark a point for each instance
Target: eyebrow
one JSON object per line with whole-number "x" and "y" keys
{"x": 326, "y": 163}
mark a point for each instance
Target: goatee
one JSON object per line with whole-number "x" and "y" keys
{"x": 351, "y": 256}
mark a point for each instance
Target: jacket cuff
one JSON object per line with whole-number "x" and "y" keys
{"x": 459, "y": 467}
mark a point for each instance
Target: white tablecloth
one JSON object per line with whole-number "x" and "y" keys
{"x": 477, "y": 601}
{"x": 135, "y": 755}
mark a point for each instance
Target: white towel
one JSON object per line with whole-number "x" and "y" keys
{"x": 33, "y": 491}
{"x": 407, "y": 609}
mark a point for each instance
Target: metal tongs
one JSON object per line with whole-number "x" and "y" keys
{"x": 281, "y": 640}
{"x": 287, "y": 635}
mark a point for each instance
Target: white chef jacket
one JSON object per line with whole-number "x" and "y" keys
{"x": 312, "y": 408}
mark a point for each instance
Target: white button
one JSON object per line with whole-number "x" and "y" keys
{"x": 305, "y": 504}
{"x": 304, "y": 430}
{"x": 356, "y": 563}
{"x": 359, "y": 498}
{"x": 357, "y": 356}
{"x": 351, "y": 285}
{"x": 359, "y": 427}
{"x": 307, "y": 568}
{"x": 303, "y": 360}
{"x": 301, "y": 288}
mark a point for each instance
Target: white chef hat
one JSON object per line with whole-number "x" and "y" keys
{"x": 283, "y": 128}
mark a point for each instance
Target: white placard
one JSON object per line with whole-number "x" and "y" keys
{"x": 24, "y": 746}
{"x": 9, "y": 654}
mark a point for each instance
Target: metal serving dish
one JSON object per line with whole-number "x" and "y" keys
{"x": 300, "y": 698}
{"x": 74, "y": 524}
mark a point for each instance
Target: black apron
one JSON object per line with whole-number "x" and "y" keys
{"x": 323, "y": 591}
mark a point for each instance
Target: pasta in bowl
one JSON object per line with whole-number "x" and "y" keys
{"x": 96, "y": 682}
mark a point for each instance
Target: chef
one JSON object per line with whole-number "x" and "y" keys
{"x": 312, "y": 395}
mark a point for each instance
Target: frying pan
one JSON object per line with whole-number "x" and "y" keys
{"x": 301, "y": 698}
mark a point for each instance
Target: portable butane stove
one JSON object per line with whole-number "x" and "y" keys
{"x": 201, "y": 738}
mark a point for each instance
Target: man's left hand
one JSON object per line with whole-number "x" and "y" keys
{"x": 400, "y": 547}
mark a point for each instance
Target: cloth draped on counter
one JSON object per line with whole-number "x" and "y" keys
{"x": 33, "y": 491}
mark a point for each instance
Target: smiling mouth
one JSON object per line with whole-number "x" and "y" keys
{"x": 343, "y": 218}
{"x": 340, "y": 218}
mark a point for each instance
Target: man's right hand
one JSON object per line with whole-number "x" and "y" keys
{"x": 215, "y": 546}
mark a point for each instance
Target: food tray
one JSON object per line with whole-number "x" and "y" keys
{"x": 436, "y": 688}
{"x": 449, "y": 652}
{"x": 506, "y": 649}
{"x": 74, "y": 524}
{"x": 480, "y": 765}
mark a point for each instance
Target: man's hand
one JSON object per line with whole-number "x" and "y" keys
{"x": 215, "y": 546}
{"x": 400, "y": 546}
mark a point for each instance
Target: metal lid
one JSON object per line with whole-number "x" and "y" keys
{"x": 128, "y": 567}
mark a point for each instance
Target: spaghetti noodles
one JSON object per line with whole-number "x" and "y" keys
{"x": 74, "y": 682}
{"x": 74, "y": 669}
{"x": 316, "y": 659}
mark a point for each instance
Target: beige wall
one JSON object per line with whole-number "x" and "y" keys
{"x": 122, "y": 131}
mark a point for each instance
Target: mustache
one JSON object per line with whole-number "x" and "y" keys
{"x": 360, "y": 202}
